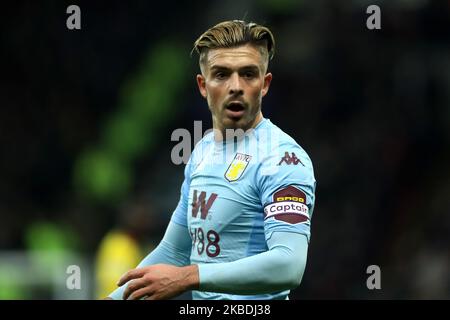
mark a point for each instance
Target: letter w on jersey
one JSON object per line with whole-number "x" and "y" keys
{"x": 289, "y": 205}
{"x": 200, "y": 203}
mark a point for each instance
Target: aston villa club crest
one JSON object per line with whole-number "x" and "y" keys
{"x": 237, "y": 167}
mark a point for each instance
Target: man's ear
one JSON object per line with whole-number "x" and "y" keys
{"x": 201, "y": 82}
{"x": 267, "y": 81}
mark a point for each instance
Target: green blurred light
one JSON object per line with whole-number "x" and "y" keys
{"x": 147, "y": 101}
{"x": 11, "y": 284}
{"x": 48, "y": 246}
{"x": 125, "y": 136}
{"x": 48, "y": 236}
{"x": 101, "y": 176}
{"x": 152, "y": 92}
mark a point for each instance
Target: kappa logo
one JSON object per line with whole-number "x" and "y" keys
{"x": 290, "y": 159}
{"x": 237, "y": 166}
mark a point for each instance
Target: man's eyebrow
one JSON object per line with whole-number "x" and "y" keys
{"x": 243, "y": 68}
{"x": 219, "y": 68}
{"x": 251, "y": 67}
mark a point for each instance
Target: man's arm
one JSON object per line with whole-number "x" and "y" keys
{"x": 279, "y": 268}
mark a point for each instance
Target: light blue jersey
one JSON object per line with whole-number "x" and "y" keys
{"x": 237, "y": 194}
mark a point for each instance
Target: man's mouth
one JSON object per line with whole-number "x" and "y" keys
{"x": 235, "y": 109}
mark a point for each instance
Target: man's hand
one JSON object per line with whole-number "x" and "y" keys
{"x": 158, "y": 282}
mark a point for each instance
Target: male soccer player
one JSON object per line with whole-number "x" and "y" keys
{"x": 242, "y": 226}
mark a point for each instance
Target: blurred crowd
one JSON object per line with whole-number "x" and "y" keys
{"x": 371, "y": 108}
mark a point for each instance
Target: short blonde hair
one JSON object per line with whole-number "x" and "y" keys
{"x": 235, "y": 33}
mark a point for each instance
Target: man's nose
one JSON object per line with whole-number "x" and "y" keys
{"x": 235, "y": 85}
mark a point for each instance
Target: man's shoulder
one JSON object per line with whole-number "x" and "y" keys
{"x": 286, "y": 163}
{"x": 278, "y": 143}
{"x": 201, "y": 146}
{"x": 207, "y": 139}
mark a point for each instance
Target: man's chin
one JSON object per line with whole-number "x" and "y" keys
{"x": 234, "y": 123}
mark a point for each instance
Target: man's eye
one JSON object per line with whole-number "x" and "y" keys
{"x": 249, "y": 75}
{"x": 220, "y": 75}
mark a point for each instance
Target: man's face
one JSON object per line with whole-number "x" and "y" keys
{"x": 234, "y": 80}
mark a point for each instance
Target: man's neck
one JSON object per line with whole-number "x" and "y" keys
{"x": 220, "y": 133}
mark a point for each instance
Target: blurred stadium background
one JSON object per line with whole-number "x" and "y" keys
{"x": 86, "y": 119}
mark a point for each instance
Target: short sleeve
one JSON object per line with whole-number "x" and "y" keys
{"x": 287, "y": 190}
